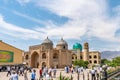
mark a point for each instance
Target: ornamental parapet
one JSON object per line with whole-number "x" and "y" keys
{"x": 35, "y": 47}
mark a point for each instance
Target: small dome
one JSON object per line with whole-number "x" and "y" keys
{"x": 77, "y": 46}
{"x": 62, "y": 42}
{"x": 47, "y": 41}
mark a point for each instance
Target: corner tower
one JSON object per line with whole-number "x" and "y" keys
{"x": 86, "y": 51}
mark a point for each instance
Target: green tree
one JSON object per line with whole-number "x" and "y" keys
{"x": 86, "y": 63}
{"x": 81, "y": 63}
{"x": 103, "y": 61}
{"x": 116, "y": 61}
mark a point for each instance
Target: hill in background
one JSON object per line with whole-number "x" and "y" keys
{"x": 109, "y": 54}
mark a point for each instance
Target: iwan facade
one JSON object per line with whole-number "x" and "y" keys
{"x": 10, "y": 55}
{"x": 45, "y": 54}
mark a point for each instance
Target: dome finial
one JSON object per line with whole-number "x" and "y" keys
{"x": 62, "y": 42}
{"x": 47, "y": 41}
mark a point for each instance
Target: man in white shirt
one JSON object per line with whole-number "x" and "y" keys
{"x": 8, "y": 70}
{"x": 14, "y": 76}
{"x": 93, "y": 74}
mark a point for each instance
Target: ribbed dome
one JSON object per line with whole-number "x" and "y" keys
{"x": 62, "y": 42}
{"x": 47, "y": 41}
{"x": 77, "y": 46}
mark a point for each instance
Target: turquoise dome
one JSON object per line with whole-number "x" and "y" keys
{"x": 77, "y": 46}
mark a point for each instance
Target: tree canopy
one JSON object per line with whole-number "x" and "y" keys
{"x": 114, "y": 62}
{"x": 81, "y": 63}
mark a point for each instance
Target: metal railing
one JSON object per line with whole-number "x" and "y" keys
{"x": 112, "y": 75}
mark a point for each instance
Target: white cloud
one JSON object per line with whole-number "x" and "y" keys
{"x": 89, "y": 18}
{"x": 86, "y": 17}
{"x": 18, "y": 32}
{"x": 71, "y": 30}
{"x": 73, "y": 8}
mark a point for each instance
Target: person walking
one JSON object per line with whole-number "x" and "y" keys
{"x": 8, "y": 70}
{"x": 33, "y": 75}
{"x": 21, "y": 70}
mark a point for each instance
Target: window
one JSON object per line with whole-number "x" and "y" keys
{"x": 75, "y": 57}
{"x": 72, "y": 57}
{"x": 90, "y": 61}
{"x": 55, "y": 56}
{"x": 43, "y": 56}
{"x": 90, "y": 57}
{"x": 63, "y": 47}
{"x": 95, "y": 56}
{"x": 80, "y": 57}
{"x": 26, "y": 57}
{"x": 95, "y": 61}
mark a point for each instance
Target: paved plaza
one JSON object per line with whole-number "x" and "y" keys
{"x": 75, "y": 75}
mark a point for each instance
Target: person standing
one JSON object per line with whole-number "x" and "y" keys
{"x": 93, "y": 74}
{"x": 47, "y": 76}
{"x": 33, "y": 75}
{"x": 54, "y": 72}
{"x": 25, "y": 75}
{"x": 14, "y": 76}
{"x": 67, "y": 69}
{"x": 21, "y": 71}
{"x": 0, "y": 68}
{"x": 8, "y": 70}
{"x": 40, "y": 72}
{"x": 50, "y": 72}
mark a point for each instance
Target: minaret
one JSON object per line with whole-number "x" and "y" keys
{"x": 86, "y": 52}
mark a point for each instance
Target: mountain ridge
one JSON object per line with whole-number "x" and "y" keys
{"x": 109, "y": 54}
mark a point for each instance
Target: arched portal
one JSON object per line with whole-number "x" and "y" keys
{"x": 35, "y": 60}
{"x": 43, "y": 64}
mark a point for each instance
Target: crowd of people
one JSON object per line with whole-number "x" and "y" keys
{"x": 95, "y": 73}
{"x": 15, "y": 71}
{"x": 49, "y": 73}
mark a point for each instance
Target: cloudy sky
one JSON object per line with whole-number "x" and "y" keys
{"x": 29, "y": 22}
